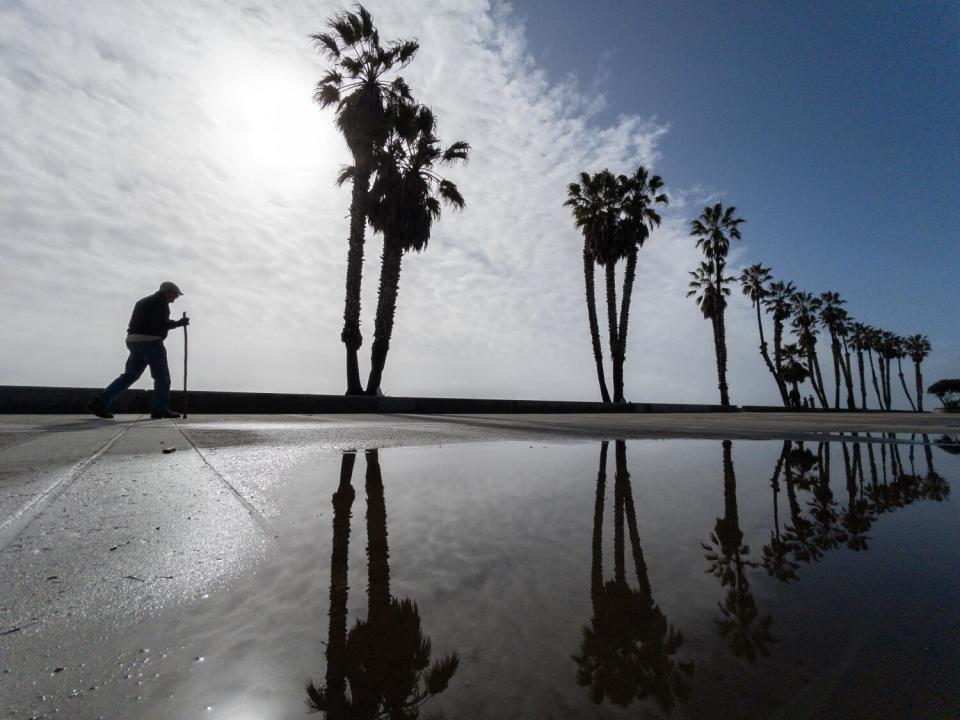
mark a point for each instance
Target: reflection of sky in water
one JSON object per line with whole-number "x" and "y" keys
{"x": 806, "y": 580}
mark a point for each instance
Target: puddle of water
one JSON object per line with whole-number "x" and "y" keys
{"x": 690, "y": 578}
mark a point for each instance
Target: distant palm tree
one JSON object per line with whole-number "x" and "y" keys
{"x": 887, "y": 351}
{"x": 777, "y": 303}
{"x": 405, "y": 200}
{"x": 900, "y": 353}
{"x": 794, "y": 371}
{"x": 918, "y": 347}
{"x": 640, "y": 194}
{"x": 714, "y": 230}
{"x": 753, "y": 282}
{"x": 805, "y": 308}
{"x": 593, "y": 202}
{"x": 356, "y": 85}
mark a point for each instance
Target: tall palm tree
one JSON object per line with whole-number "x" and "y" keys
{"x": 356, "y": 85}
{"x": 711, "y": 302}
{"x": 753, "y": 282}
{"x": 405, "y": 200}
{"x": 714, "y": 230}
{"x": 640, "y": 194}
{"x": 805, "y": 308}
{"x": 592, "y": 202}
{"x": 844, "y": 331}
{"x": 918, "y": 347}
{"x": 831, "y": 318}
{"x": 777, "y": 303}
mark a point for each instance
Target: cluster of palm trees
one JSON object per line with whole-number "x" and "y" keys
{"x": 806, "y": 316}
{"x": 397, "y": 188}
{"x": 615, "y": 214}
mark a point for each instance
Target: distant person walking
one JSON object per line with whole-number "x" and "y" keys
{"x": 149, "y": 324}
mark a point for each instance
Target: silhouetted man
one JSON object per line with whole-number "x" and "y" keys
{"x": 149, "y": 324}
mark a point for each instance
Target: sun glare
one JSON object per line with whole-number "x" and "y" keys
{"x": 267, "y": 131}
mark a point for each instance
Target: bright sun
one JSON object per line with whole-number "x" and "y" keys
{"x": 267, "y": 130}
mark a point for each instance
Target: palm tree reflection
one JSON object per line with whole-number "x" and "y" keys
{"x": 385, "y": 660}
{"x": 747, "y": 633}
{"x": 627, "y": 652}
{"x": 808, "y": 536}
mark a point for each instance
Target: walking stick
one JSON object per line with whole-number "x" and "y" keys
{"x": 184, "y": 366}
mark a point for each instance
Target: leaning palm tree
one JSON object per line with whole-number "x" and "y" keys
{"x": 591, "y": 203}
{"x": 887, "y": 351}
{"x": 357, "y": 87}
{"x": 753, "y": 283}
{"x": 805, "y": 307}
{"x": 714, "y": 230}
{"x": 918, "y": 347}
{"x": 640, "y": 194}
{"x": 405, "y": 200}
{"x": 777, "y": 302}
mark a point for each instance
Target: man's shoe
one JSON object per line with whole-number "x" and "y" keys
{"x": 97, "y": 407}
{"x": 164, "y": 414}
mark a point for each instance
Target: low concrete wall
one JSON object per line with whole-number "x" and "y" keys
{"x": 37, "y": 399}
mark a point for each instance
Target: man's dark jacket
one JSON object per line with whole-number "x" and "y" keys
{"x": 151, "y": 316}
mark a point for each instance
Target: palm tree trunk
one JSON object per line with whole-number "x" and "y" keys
{"x": 612, "y": 326}
{"x": 386, "y": 309}
{"x": 904, "y": 384}
{"x": 350, "y": 335}
{"x": 863, "y": 382}
{"x": 639, "y": 564}
{"x": 816, "y": 377}
{"x": 873, "y": 376}
{"x": 719, "y": 351}
{"x": 588, "y": 275}
{"x": 888, "y": 374}
{"x": 919, "y": 379}
{"x": 847, "y": 375}
{"x": 337, "y": 634}
{"x": 629, "y": 274}
{"x": 766, "y": 358}
{"x": 596, "y": 566}
{"x": 835, "y": 351}
{"x": 378, "y": 554}
{"x": 778, "y": 357}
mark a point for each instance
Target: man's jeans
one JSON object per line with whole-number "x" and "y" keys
{"x": 143, "y": 354}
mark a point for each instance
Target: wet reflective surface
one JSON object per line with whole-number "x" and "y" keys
{"x": 681, "y": 578}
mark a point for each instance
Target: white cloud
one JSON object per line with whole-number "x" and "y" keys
{"x": 178, "y": 141}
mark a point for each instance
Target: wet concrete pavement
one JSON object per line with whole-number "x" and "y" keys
{"x": 104, "y": 523}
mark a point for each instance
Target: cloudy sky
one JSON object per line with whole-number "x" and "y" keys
{"x": 151, "y": 141}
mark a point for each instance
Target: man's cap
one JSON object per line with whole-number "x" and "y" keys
{"x": 167, "y": 286}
